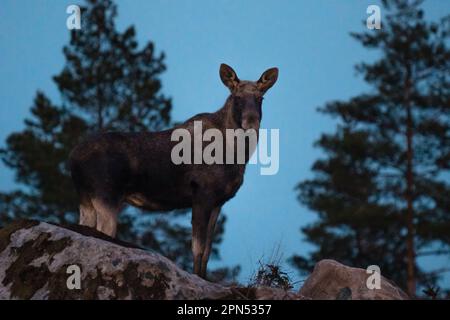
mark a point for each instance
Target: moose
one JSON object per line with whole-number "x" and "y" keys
{"x": 113, "y": 169}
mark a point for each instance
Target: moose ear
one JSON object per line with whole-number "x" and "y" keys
{"x": 268, "y": 79}
{"x": 228, "y": 76}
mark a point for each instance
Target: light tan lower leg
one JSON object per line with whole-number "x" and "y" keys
{"x": 106, "y": 218}
{"x": 88, "y": 215}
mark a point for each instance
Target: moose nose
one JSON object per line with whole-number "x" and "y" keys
{"x": 250, "y": 122}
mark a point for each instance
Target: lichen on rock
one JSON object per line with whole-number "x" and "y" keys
{"x": 35, "y": 258}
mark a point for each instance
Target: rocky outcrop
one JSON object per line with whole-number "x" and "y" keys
{"x": 39, "y": 260}
{"x": 333, "y": 280}
{"x": 35, "y": 257}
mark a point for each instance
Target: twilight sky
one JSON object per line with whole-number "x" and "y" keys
{"x": 307, "y": 40}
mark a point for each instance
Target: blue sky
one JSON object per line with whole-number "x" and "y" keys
{"x": 307, "y": 40}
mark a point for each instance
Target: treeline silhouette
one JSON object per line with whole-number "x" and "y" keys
{"x": 108, "y": 83}
{"x": 381, "y": 191}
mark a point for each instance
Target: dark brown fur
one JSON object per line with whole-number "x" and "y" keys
{"x": 113, "y": 169}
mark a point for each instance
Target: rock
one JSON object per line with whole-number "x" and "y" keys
{"x": 39, "y": 260}
{"x": 264, "y": 293}
{"x": 35, "y": 258}
{"x": 267, "y": 293}
{"x": 333, "y": 280}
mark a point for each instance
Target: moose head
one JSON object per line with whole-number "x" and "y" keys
{"x": 247, "y": 96}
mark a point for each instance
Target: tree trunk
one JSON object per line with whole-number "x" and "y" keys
{"x": 100, "y": 118}
{"x": 411, "y": 256}
{"x": 99, "y": 109}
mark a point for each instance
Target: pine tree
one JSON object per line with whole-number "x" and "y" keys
{"x": 382, "y": 190}
{"x": 107, "y": 84}
{"x": 114, "y": 84}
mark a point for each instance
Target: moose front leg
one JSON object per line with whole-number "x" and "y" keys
{"x": 204, "y": 216}
{"x": 209, "y": 240}
{"x": 200, "y": 215}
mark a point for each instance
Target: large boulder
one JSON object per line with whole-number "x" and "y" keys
{"x": 333, "y": 280}
{"x": 37, "y": 261}
{"x": 35, "y": 256}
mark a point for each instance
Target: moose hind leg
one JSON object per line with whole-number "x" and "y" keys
{"x": 107, "y": 213}
{"x": 88, "y": 215}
